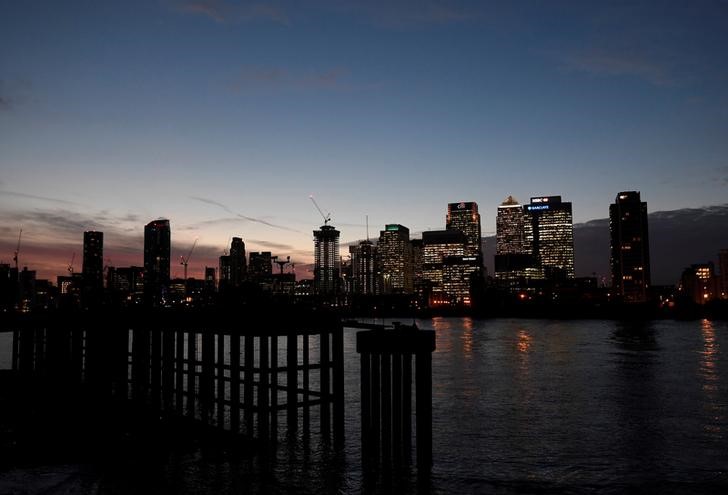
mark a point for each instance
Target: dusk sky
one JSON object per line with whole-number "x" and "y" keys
{"x": 225, "y": 116}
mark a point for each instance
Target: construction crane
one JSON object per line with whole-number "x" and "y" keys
{"x": 326, "y": 217}
{"x": 70, "y": 265}
{"x": 17, "y": 251}
{"x": 281, "y": 264}
{"x": 184, "y": 260}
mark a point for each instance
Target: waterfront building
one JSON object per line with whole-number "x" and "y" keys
{"x": 464, "y": 217}
{"x": 437, "y": 245}
{"x": 549, "y": 236}
{"x": 363, "y": 267}
{"x": 126, "y": 284}
{"x": 395, "y": 259}
{"x": 326, "y": 271}
{"x": 458, "y": 276}
{"x": 157, "y": 246}
{"x": 630, "y": 247}
{"x": 93, "y": 264}
{"x": 514, "y": 263}
{"x": 238, "y": 266}
{"x": 723, "y": 272}
{"x": 224, "y": 279}
{"x": 210, "y": 281}
{"x": 698, "y": 283}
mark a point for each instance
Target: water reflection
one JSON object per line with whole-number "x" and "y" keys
{"x": 635, "y": 336}
{"x": 524, "y": 341}
{"x": 709, "y": 375}
{"x": 467, "y": 338}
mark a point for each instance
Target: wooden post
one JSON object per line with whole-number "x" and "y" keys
{"x": 386, "y": 405}
{"x": 263, "y": 390}
{"x": 423, "y": 376}
{"x": 156, "y": 368}
{"x": 338, "y": 372}
{"x": 376, "y": 392}
{"x": 16, "y": 350}
{"x": 366, "y": 405}
{"x": 274, "y": 387}
{"x": 235, "y": 382}
{"x": 292, "y": 381}
{"x": 191, "y": 372}
{"x": 140, "y": 364}
{"x": 248, "y": 380}
{"x": 325, "y": 374}
{"x": 407, "y": 407}
{"x": 397, "y": 441}
{"x": 306, "y": 395}
{"x": 220, "y": 372}
{"x": 167, "y": 369}
{"x": 179, "y": 372}
{"x": 207, "y": 382}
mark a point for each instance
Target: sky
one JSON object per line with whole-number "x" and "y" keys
{"x": 225, "y": 116}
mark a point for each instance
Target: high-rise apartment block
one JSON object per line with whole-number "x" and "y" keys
{"x": 363, "y": 267}
{"x": 395, "y": 259}
{"x": 238, "y": 266}
{"x": 157, "y": 245}
{"x": 630, "y": 247}
{"x": 93, "y": 265}
{"x": 327, "y": 260}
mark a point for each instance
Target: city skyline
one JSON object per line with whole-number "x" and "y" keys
{"x": 223, "y": 117}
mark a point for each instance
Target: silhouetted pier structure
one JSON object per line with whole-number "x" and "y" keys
{"x": 386, "y": 395}
{"x": 236, "y": 374}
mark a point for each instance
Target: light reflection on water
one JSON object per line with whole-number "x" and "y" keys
{"x": 531, "y": 406}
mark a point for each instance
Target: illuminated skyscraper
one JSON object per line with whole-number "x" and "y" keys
{"x": 364, "y": 270}
{"x": 395, "y": 259}
{"x": 326, "y": 260}
{"x": 93, "y": 264}
{"x": 630, "y": 247}
{"x": 549, "y": 236}
{"x": 514, "y": 263}
{"x": 509, "y": 228}
{"x": 157, "y": 242}
{"x": 437, "y": 246}
{"x": 465, "y": 218}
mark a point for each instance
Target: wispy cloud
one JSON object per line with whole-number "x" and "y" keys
{"x": 616, "y": 63}
{"x": 33, "y": 196}
{"x": 281, "y": 78}
{"x": 241, "y": 216}
{"x": 228, "y": 12}
{"x": 272, "y": 245}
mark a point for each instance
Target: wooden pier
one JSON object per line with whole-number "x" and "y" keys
{"x": 237, "y": 375}
{"x": 386, "y": 396}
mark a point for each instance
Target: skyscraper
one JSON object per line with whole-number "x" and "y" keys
{"x": 549, "y": 236}
{"x": 630, "y": 247}
{"x": 465, "y": 218}
{"x": 364, "y": 270}
{"x": 395, "y": 259}
{"x": 93, "y": 265}
{"x": 326, "y": 260}
{"x": 439, "y": 247}
{"x": 237, "y": 262}
{"x": 514, "y": 263}
{"x": 157, "y": 244}
{"x": 509, "y": 228}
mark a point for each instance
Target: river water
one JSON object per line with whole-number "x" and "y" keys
{"x": 519, "y": 406}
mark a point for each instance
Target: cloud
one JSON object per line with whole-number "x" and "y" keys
{"x": 275, "y": 77}
{"x": 41, "y": 198}
{"x": 605, "y": 63}
{"x": 241, "y": 216}
{"x": 271, "y": 245}
{"x": 228, "y": 12}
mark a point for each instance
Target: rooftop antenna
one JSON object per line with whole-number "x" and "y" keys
{"x": 70, "y": 265}
{"x": 367, "y": 217}
{"x": 327, "y": 217}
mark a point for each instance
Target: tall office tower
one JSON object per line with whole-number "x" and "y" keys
{"x": 326, "y": 260}
{"x": 630, "y": 247}
{"x": 509, "y": 228}
{"x": 395, "y": 259}
{"x": 93, "y": 263}
{"x": 437, "y": 246}
{"x": 549, "y": 235}
{"x": 261, "y": 265}
{"x": 157, "y": 243}
{"x": 364, "y": 270}
{"x": 723, "y": 267}
{"x": 514, "y": 264}
{"x": 238, "y": 267}
{"x": 465, "y": 218}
